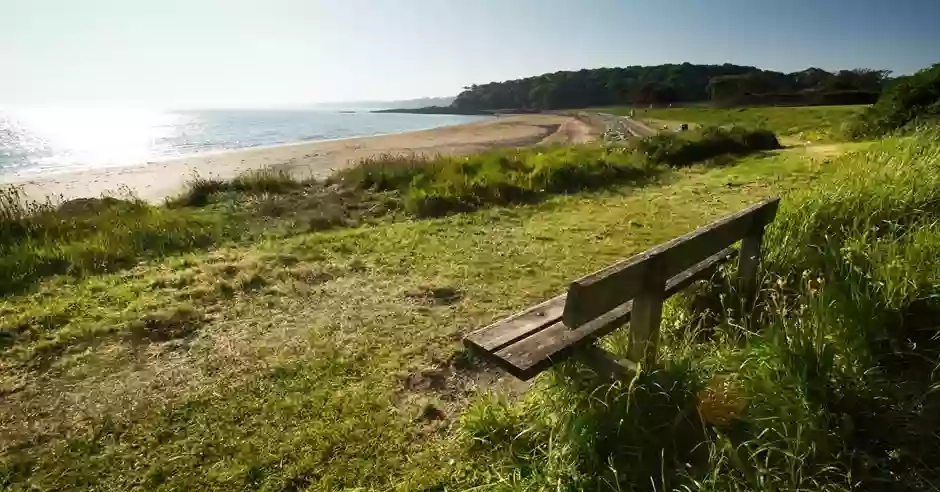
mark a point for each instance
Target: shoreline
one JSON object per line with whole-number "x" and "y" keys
{"x": 155, "y": 180}
{"x": 12, "y": 179}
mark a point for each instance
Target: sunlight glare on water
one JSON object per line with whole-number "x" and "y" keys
{"x": 60, "y": 138}
{"x": 46, "y": 140}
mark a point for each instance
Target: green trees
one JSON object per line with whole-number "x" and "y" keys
{"x": 812, "y": 86}
{"x": 733, "y": 84}
{"x": 598, "y": 87}
{"x": 906, "y": 101}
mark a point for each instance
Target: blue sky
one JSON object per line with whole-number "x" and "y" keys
{"x": 265, "y": 52}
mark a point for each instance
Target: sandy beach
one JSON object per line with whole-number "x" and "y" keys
{"x": 154, "y": 181}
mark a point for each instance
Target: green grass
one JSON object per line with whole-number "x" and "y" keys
{"x": 318, "y": 361}
{"x": 807, "y": 124}
{"x": 440, "y": 185}
{"x": 830, "y": 384}
{"x": 302, "y": 354}
{"x": 89, "y": 236}
{"x": 38, "y": 240}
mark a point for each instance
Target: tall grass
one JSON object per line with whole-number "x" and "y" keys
{"x": 199, "y": 190}
{"x": 832, "y": 385}
{"x": 872, "y": 208}
{"x": 439, "y": 185}
{"x": 40, "y": 239}
{"x": 88, "y": 236}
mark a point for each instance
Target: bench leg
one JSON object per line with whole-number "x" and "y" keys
{"x": 646, "y": 318}
{"x": 606, "y": 364}
{"x": 748, "y": 266}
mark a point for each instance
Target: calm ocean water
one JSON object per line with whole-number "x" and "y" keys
{"x": 49, "y": 140}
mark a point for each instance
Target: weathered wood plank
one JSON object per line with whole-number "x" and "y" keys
{"x": 700, "y": 271}
{"x": 530, "y": 356}
{"x": 601, "y": 291}
{"x": 647, "y": 314}
{"x": 520, "y": 325}
{"x": 533, "y": 354}
{"x": 526, "y": 323}
{"x": 749, "y": 265}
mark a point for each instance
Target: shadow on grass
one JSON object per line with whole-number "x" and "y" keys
{"x": 595, "y": 435}
{"x": 896, "y": 420}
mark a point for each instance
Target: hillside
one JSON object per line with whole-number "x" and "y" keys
{"x": 671, "y": 83}
{"x": 908, "y": 101}
{"x": 394, "y": 104}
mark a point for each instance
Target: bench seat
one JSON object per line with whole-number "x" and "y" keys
{"x": 531, "y": 341}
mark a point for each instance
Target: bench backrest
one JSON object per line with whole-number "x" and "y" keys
{"x": 631, "y": 291}
{"x": 646, "y": 273}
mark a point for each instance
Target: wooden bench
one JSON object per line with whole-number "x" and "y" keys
{"x": 632, "y": 290}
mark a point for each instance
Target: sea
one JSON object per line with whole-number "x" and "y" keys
{"x": 48, "y": 140}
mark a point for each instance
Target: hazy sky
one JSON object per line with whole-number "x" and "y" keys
{"x": 259, "y": 52}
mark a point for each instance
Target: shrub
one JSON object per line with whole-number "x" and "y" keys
{"x": 459, "y": 184}
{"x": 199, "y": 190}
{"x": 677, "y": 150}
{"x": 906, "y": 102}
{"x": 385, "y": 172}
{"x": 266, "y": 181}
{"x": 438, "y": 185}
{"x": 89, "y": 235}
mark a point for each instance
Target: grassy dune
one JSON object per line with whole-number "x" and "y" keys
{"x": 312, "y": 342}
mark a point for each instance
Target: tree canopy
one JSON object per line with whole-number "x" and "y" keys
{"x": 907, "y": 100}
{"x": 664, "y": 84}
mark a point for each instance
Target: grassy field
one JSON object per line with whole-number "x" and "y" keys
{"x": 327, "y": 360}
{"x": 88, "y": 236}
{"x": 291, "y": 351}
{"x": 802, "y": 124}
{"x": 832, "y": 383}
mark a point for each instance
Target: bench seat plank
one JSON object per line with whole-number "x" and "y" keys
{"x": 529, "y": 353}
{"x": 520, "y": 325}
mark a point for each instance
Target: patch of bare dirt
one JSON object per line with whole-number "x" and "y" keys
{"x": 164, "y": 326}
{"x": 436, "y": 395}
{"x": 460, "y": 377}
{"x": 440, "y": 296}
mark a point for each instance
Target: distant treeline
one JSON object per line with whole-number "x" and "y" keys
{"x": 721, "y": 84}
{"x": 908, "y": 102}
{"x": 435, "y": 110}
